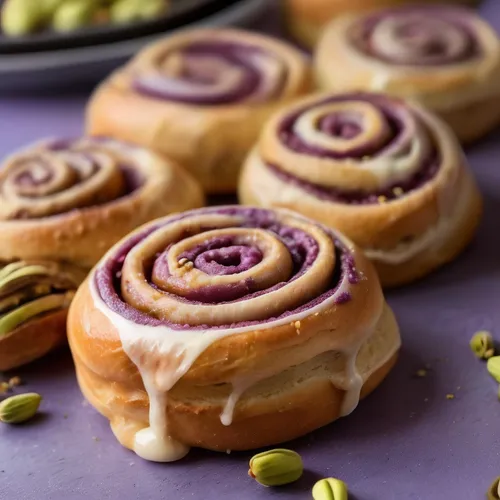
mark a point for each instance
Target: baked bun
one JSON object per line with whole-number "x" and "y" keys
{"x": 63, "y": 204}
{"x": 387, "y": 173}
{"x": 307, "y": 18}
{"x": 200, "y": 97}
{"x": 446, "y": 57}
{"x": 222, "y": 328}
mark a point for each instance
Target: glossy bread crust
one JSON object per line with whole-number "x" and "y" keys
{"x": 112, "y": 384}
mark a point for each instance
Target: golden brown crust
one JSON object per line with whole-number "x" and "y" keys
{"x": 32, "y": 340}
{"x": 112, "y": 384}
{"x": 306, "y": 18}
{"x": 209, "y": 140}
{"x": 283, "y": 419}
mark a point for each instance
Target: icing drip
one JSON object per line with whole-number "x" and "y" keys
{"x": 164, "y": 350}
{"x": 213, "y": 73}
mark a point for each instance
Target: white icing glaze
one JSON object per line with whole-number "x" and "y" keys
{"x": 352, "y": 384}
{"x": 226, "y": 417}
{"x": 170, "y": 354}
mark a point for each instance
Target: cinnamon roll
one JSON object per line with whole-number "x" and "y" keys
{"x": 445, "y": 57}
{"x": 201, "y": 98}
{"x": 222, "y": 328}
{"x": 307, "y": 18}
{"x": 387, "y": 173}
{"x": 63, "y": 204}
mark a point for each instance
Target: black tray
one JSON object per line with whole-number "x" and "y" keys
{"x": 180, "y": 12}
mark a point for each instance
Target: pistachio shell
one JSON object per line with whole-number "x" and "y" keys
{"x": 73, "y": 14}
{"x": 482, "y": 345}
{"x": 21, "y": 17}
{"x": 276, "y": 467}
{"x": 493, "y": 367}
{"x": 330, "y": 489}
{"x": 20, "y": 408}
{"x": 13, "y": 319}
{"x": 127, "y": 11}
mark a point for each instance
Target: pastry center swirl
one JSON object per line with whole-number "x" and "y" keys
{"x": 211, "y": 73}
{"x": 417, "y": 37}
{"x": 237, "y": 265}
{"x": 54, "y": 178}
{"x": 353, "y": 148}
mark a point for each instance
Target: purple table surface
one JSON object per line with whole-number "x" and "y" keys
{"x": 406, "y": 441}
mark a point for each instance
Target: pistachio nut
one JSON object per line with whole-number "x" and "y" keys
{"x": 49, "y": 7}
{"x": 73, "y": 14}
{"x": 493, "y": 366}
{"x": 20, "y": 408}
{"x": 494, "y": 491}
{"x": 276, "y": 467}
{"x": 21, "y": 17}
{"x": 13, "y": 319}
{"x": 482, "y": 345}
{"x": 128, "y": 11}
{"x": 330, "y": 489}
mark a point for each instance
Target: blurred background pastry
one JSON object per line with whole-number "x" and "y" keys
{"x": 307, "y": 18}
{"x": 200, "y": 97}
{"x": 446, "y": 57}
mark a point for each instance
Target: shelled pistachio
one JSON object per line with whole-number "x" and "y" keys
{"x": 21, "y": 17}
{"x": 276, "y": 467}
{"x": 330, "y": 489}
{"x": 128, "y": 11}
{"x": 74, "y": 14}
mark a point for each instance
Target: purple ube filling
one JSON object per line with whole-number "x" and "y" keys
{"x": 348, "y": 126}
{"x": 132, "y": 178}
{"x": 237, "y": 55}
{"x": 433, "y": 50}
{"x": 302, "y": 247}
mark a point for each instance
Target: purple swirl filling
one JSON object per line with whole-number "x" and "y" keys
{"x": 43, "y": 173}
{"x": 422, "y": 41}
{"x": 348, "y": 125}
{"x": 204, "y": 77}
{"x": 303, "y": 249}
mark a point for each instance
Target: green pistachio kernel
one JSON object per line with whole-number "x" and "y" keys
{"x": 493, "y": 366}
{"x": 276, "y": 467}
{"x": 13, "y": 319}
{"x": 482, "y": 345}
{"x": 21, "y": 17}
{"x": 128, "y": 11}
{"x": 73, "y": 14}
{"x": 330, "y": 489}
